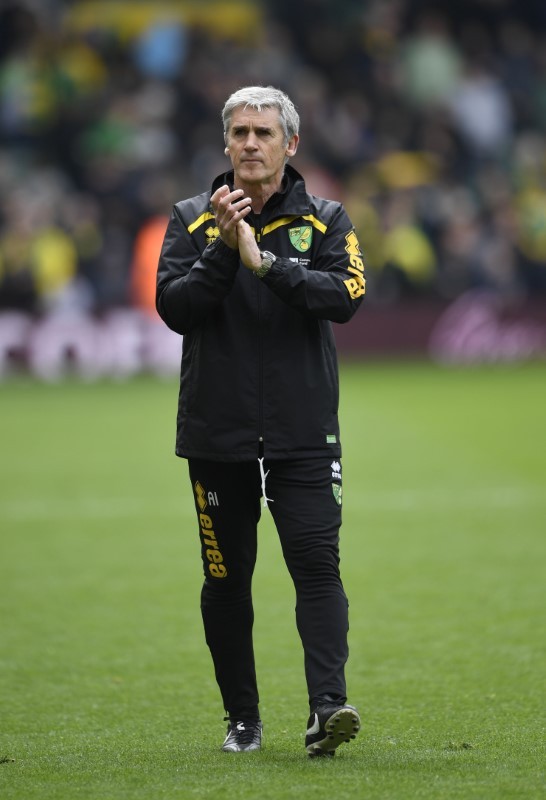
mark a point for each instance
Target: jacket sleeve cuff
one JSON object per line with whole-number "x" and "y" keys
{"x": 218, "y": 251}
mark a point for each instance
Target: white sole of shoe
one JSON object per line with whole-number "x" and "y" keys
{"x": 341, "y": 727}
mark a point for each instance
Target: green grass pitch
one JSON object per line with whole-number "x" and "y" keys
{"x": 106, "y": 689}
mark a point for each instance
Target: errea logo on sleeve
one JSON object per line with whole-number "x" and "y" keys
{"x": 352, "y": 246}
{"x": 356, "y": 286}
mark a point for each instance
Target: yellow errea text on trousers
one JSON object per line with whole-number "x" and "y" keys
{"x": 216, "y": 566}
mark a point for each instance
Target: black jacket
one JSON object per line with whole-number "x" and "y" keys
{"x": 259, "y": 367}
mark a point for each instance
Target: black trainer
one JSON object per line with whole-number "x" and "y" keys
{"x": 243, "y": 736}
{"x": 328, "y": 727}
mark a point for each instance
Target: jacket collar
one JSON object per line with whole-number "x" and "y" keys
{"x": 291, "y": 200}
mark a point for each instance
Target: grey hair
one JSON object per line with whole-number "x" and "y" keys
{"x": 258, "y": 98}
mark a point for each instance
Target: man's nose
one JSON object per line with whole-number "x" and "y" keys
{"x": 251, "y": 142}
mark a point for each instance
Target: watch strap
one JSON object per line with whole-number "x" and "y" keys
{"x": 267, "y": 261}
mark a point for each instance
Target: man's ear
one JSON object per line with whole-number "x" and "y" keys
{"x": 292, "y": 146}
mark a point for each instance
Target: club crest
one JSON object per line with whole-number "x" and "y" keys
{"x": 301, "y": 238}
{"x": 337, "y": 489}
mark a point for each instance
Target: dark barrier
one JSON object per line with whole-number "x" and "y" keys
{"x": 476, "y": 328}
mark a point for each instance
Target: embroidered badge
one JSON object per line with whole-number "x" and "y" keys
{"x": 337, "y": 489}
{"x": 301, "y": 238}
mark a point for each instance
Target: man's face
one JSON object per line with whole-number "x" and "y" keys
{"x": 256, "y": 146}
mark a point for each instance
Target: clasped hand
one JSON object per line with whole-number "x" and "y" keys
{"x": 230, "y": 209}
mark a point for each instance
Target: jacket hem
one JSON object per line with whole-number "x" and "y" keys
{"x": 270, "y": 455}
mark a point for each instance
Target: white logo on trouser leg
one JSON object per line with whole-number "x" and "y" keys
{"x": 263, "y": 476}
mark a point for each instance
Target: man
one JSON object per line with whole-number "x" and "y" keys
{"x": 251, "y": 273}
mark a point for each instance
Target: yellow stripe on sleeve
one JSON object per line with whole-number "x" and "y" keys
{"x": 316, "y": 223}
{"x": 200, "y": 220}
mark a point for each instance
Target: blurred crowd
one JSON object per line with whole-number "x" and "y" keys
{"x": 428, "y": 121}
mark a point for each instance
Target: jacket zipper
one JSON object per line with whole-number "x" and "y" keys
{"x": 260, "y": 359}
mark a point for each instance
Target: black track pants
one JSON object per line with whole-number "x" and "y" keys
{"x": 307, "y": 514}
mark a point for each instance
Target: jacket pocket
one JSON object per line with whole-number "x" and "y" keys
{"x": 189, "y": 373}
{"x": 329, "y": 356}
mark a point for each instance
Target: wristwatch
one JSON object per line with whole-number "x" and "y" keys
{"x": 267, "y": 260}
